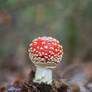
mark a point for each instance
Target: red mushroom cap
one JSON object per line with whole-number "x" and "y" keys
{"x": 45, "y": 51}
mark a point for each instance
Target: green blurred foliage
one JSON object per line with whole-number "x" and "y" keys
{"x": 12, "y": 2}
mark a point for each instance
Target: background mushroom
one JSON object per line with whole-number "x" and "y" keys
{"x": 45, "y": 53}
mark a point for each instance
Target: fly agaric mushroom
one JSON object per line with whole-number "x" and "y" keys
{"x": 45, "y": 53}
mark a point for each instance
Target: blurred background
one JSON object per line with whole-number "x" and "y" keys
{"x": 69, "y": 21}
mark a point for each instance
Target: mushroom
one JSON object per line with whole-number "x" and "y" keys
{"x": 45, "y": 53}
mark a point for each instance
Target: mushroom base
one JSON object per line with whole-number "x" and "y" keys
{"x": 57, "y": 86}
{"x": 43, "y": 75}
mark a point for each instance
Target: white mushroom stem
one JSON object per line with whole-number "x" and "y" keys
{"x": 43, "y": 75}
